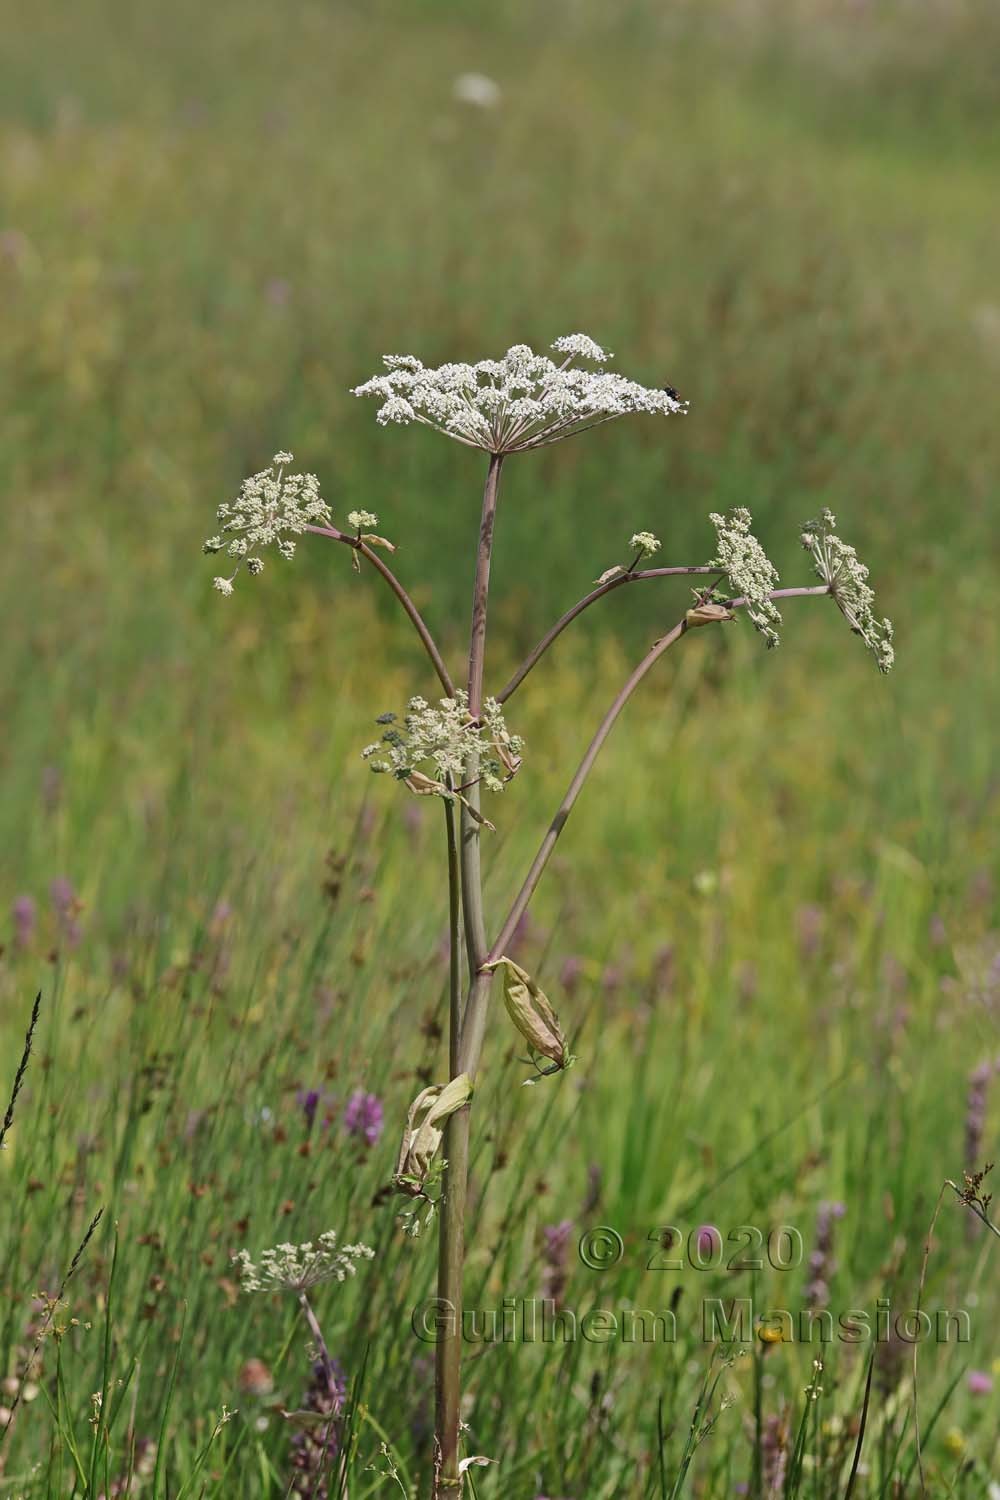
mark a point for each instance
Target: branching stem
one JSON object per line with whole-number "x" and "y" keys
{"x": 368, "y": 553}
{"x": 631, "y": 576}
{"x": 558, "y": 823}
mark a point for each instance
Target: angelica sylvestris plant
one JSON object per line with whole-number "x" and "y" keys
{"x": 458, "y": 745}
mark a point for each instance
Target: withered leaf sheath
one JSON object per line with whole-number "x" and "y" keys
{"x": 423, "y": 1132}
{"x": 708, "y": 614}
{"x": 530, "y": 1010}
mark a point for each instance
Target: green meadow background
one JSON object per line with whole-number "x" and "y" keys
{"x": 771, "y": 924}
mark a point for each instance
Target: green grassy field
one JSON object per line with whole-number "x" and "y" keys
{"x": 771, "y": 923}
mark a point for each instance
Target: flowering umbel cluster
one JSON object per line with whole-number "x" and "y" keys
{"x": 847, "y": 578}
{"x": 748, "y": 568}
{"x": 432, "y": 745}
{"x": 295, "y": 1268}
{"x": 271, "y": 507}
{"x": 643, "y": 544}
{"x": 524, "y": 400}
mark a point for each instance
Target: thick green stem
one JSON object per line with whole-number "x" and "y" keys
{"x": 481, "y": 588}
{"x": 454, "y": 938}
{"x": 451, "y": 1242}
{"x": 472, "y": 888}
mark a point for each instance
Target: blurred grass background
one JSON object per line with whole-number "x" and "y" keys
{"x": 213, "y": 222}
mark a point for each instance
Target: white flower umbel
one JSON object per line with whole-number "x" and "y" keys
{"x": 847, "y": 579}
{"x": 524, "y": 400}
{"x": 748, "y": 568}
{"x": 642, "y": 544}
{"x": 433, "y": 744}
{"x": 295, "y": 1268}
{"x": 270, "y": 506}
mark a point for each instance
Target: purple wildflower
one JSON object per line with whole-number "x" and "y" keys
{"x": 219, "y": 920}
{"x": 890, "y": 1359}
{"x": 809, "y": 924}
{"x": 67, "y": 908}
{"x": 707, "y": 1239}
{"x": 975, "y": 1113}
{"x": 51, "y": 788}
{"x": 554, "y": 1256}
{"x": 612, "y": 979}
{"x": 571, "y": 973}
{"x": 556, "y": 1240}
{"x": 821, "y": 1262}
{"x": 24, "y": 913}
{"x": 363, "y": 1116}
{"x": 979, "y": 1383}
{"x": 663, "y": 969}
{"x": 422, "y": 1406}
{"x": 309, "y": 1101}
{"x": 774, "y": 1454}
{"x": 975, "y": 1125}
{"x": 315, "y": 1447}
{"x": 593, "y": 1194}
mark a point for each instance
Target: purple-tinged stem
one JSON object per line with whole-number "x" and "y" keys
{"x": 355, "y": 542}
{"x": 451, "y": 1240}
{"x": 631, "y": 576}
{"x": 472, "y": 893}
{"x": 473, "y": 1028}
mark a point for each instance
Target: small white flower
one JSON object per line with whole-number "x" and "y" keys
{"x": 524, "y": 400}
{"x": 395, "y": 409}
{"x": 359, "y": 519}
{"x": 431, "y": 744}
{"x": 477, "y": 89}
{"x": 645, "y": 542}
{"x": 223, "y": 585}
{"x": 295, "y": 1268}
{"x": 579, "y": 345}
{"x": 269, "y": 505}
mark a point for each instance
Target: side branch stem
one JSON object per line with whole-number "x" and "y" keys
{"x": 436, "y": 659}
{"x": 631, "y": 576}
{"x": 474, "y": 1026}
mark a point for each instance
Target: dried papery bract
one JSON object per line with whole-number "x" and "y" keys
{"x": 424, "y": 1131}
{"x": 529, "y": 1008}
{"x": 707, "y": 612}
